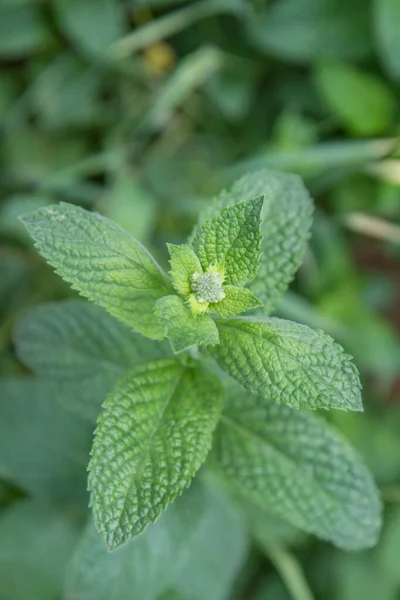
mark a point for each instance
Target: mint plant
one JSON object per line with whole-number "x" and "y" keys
{"x": 227, "y": 382}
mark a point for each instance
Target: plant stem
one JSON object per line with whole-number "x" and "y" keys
{"x": 290, "y": 571}
{"x": 169, "y": 25}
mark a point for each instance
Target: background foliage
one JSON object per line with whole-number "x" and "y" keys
{"x": 142, "y": 110}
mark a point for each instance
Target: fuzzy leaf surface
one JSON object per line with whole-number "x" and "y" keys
{"x": 232, "y": 239}
{"x": 102, "y": 261}
{"x": 286, "y": 219}
{"x": 182, "y": 327}
{"x": 294, "y": 464}
{"x": 184, "y": 263}
{"x": 153, "y": 435}
{"x": 83, "y": 348}
{"x": 289, "y": 363}
{"x": 237, "y": 300}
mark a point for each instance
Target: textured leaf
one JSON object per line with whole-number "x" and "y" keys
{"x": 288, "y": 362}
{"x": 82, "y": 347}
{"x": 295, "y": 465}
{"x": 387, "y": 25}
{"x": 153, "y": 435}
{"x": 182, "y": 327}
{"x": 43, "y": 449}
{"x": 237, "y": 300}
{"x": 232, "y": 240}
{"x": 186, "y": 542}
{"x": 102, "y": 261}
{"x": 184, "y": 263}
{"x": 36, "y": 544}
{"x": 342, "y": 86}
{"x": 285, "y": 227}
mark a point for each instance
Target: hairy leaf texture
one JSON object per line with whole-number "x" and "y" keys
{"x": 285, "y": 227}
{"x": 103, "y": 262}
{"x": 153, "y": 435}
{"x": 231, "y": 240}
{"x": 287, "y": 362}
{"x": 293, "y": 464}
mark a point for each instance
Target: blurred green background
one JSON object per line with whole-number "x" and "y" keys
{"x": 143, "y": 110}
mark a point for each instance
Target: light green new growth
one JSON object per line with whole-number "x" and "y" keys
{"x": 288, "y": 362}
{"x": 153, "y": 435}
{"x": 286, "y": 220}
{"x": 103, "y": 262}
{"x": 237, "y": 300}
{"x": 184, "y": 263}
{"x": 182, "y": 327}
{"x": 231, "y": 241}
{"x": 293, "y": 464}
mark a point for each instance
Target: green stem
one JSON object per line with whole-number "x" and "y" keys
{"x": 169, "y": 25}
{"x": 290, "y": 571}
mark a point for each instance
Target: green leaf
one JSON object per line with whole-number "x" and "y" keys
{"x": 285, "y": 227}
{"x": 103, "y": 262}
{"x": 83, "y": 348}
{"x": 186, "y": 543}
{"x": 287, "y": 362}
{"x": 232, "y": 240}
{"x": 43, "y": 449}
{"x": 92, "y": 25}
{"x": 295, "y": 465}
{"x": 22, "y": 31}
{"x": 36, "y": 544}
{"x": 184, "y": 263}
{"x": 237, "y": 300}
{"x": 209, "y": 570}
{"x": 342, "y": 86}
{"x": 153, "y": 435}
{"x": 304, "y": 30}
{"x": 182, "y": 327}
{"x": 387, "y": 26}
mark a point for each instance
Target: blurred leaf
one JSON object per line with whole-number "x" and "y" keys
{"x": 232, "y": 87}
{"x": 209, "y": 571}
{"x": 293, "y": 131}
{"x": 303, "y": 30}
{"x": 92, "y": 25}
{"x": 36, "y": 544}
{"x": 186, "y": 544}
{"x": 22, "y": 31}
{"x": 43, "y": 449}
{"x": 357, "y": 576}
{"x": 66, "y": 93}
{"x": 388, "y": 551}
{"x": 13, "y": 208}
{"x": 360, "y": 100}
{"x": 192, "y": 72}
{"x": 83, "y": 349}
{"x": 334, "y": 155}
{"x": 131, "y": 206}
{"x": 387, "y": 27}
{"x": 294, "y": 464}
